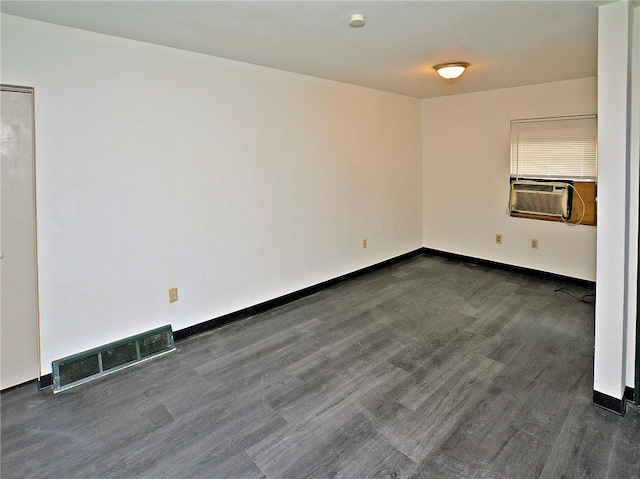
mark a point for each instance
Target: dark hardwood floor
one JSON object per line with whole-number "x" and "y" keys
{"x": 430, "y": 368}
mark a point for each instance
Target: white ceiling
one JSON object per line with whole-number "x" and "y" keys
{"x": 507, "y": 43}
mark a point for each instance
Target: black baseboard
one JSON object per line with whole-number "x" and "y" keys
{"x": 45, "y": 381}
{"x": 629, "y": 394}
{"x": 618, "y": 406}
{"x": 211, "y": 324}
{"x": 11, "y": 388}
{"x": 511, "y": 268}
{"x": 42, "y": 383}
{"x": 181, "y": 334}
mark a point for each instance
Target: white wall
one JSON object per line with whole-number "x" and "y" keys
{"x": 236, "y": 183}
{"x": 614, "y": 346}
{"x": 634, "y": 180}
{"x": 466, "y": 142}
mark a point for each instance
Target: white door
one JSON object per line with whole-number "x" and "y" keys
{"x": 19, "y": 351}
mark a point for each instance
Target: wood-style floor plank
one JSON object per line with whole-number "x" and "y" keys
{"x": 428, "y": 368}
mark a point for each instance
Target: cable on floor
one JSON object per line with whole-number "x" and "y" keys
{"x": 583, "y": 298}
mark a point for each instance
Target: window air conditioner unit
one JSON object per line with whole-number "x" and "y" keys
{"x": 540, "y": 198}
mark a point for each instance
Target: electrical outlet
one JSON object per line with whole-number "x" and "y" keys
{"x": 534, "y": 243}
{"x": 499, "y": 239}
{"x": 364, "y": 243}
{"x": 173, "y": 295}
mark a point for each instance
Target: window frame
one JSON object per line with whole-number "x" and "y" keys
{"x": 550, "y": 141}
{"x": 583, "y": 187}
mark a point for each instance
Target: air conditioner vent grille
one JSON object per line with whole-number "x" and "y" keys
{"x": 533, "y": 187}
{"x": 540, "y": 198}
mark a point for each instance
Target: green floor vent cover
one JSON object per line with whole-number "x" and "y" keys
{"x": 82, "y": 367}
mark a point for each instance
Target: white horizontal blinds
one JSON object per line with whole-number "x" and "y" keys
{"x": 555, "y": 148}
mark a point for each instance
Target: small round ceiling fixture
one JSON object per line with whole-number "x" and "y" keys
{"x": 449, "y": 71}
{"x": 356, "y": 20}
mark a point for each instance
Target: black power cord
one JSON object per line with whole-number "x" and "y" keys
{"x": 583, "y": 298}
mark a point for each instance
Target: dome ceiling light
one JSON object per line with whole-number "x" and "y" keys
{"x": 450, "y": 71}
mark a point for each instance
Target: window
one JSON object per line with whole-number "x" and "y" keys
{"x": 558, "y": 149}
{"x": 554, "y": 148}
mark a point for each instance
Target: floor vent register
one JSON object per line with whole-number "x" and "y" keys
{"x": 83, "y": 367}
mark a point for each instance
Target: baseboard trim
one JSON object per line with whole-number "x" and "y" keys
{"x": 46, "y": 381}
{"x": 215, "y": 323}
{"x": 629, "y": 394}
{"x": 511, "y": 268}
{"x": 42, "y": 383}
{"x": 610, "y": 403}
{"x": 11, "y": 388}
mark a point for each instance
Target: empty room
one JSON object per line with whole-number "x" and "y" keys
{"x": 320, "y": 239}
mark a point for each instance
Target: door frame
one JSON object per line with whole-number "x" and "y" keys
{"x": 31, "y": 91}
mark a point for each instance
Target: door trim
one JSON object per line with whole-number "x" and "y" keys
{"x": 31, "y": 91}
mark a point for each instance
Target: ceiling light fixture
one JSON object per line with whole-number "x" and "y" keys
{"x": 450, "y": 71}
{"x": 356, "y": 20}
